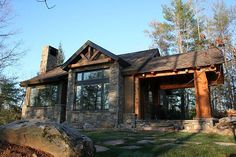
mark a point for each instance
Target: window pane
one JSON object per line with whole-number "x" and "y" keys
{"x": 54, "y": 95}
{"x": 105, "y": 96}
{"x": 78, "y": 98}
{"x": 89, "y": 97}
{"x": 79, "y": 77}
{"x": 33, "y": 97}
{"x": 93, "y": 75}
{"x": 44, "y": 95}
{"x": 98, "y": 97}
{"x": 106, "y": 73}
{"x": 150, "y": 97}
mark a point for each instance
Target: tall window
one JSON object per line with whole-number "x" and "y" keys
{"x": 44, "y": 95}
{"x": 92, "y": 90}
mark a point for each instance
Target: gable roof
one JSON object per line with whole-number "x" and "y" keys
{"x": 53, "y": 75}
{"x": 99, "y": 48}
{"x": 193, "y": 59}
{"x": 138, "y": 59}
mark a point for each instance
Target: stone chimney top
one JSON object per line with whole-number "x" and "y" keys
{"x": 48, "y": 59}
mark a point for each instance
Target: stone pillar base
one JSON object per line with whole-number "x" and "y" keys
{"x": 199, "y": 124}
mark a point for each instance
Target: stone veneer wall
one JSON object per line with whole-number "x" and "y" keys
{"x": 53, "y": 113}
{"x": 196, "y": 125}
{"x": 98, "y": 118}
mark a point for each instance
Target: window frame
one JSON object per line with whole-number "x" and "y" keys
{"x": 97, "y": 81}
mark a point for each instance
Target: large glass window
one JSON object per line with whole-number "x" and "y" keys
{"x": 92, "y": 90}
{"x": 44, "y": 95}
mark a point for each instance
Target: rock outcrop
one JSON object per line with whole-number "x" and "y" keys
{"x": 60, "y": 140}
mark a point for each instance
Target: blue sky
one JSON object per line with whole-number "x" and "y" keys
{"x": 118, "y": 26}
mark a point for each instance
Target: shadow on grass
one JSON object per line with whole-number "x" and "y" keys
{"x": 164, "y": 148}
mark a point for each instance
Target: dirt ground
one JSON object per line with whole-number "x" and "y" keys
{"x": 11, "y": 150}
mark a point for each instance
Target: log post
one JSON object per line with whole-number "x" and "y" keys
{"x": 137, "y": 96}
{"x": 203, "y": 106}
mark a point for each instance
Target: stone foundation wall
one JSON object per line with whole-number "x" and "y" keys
{"x": 187, "y": 125}
{"x": 93, "y": 119}
{"x": 129, "y": 120}
{"x": 52, "y": 113}
{"x": 207, "y": 125}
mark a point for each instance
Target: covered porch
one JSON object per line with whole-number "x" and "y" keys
{"x": 151, "y": 89}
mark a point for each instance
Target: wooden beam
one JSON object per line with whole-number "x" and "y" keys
{"x": 177, "y": 72}
{"x": 94, "y": 55}
{"x": 100, "y": 61}
{"x": 89, "y": 52}
{"x": 83, "y": 57}
{"x": 137, "y": 96}
{"x": 203, "y": 106}
{"x": 219, "y": 79}
{"x": 176, "y": 86}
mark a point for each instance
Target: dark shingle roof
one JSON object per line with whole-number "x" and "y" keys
{"x": 53, "y": 75}
{"x": 138, "y": 59}
{"x": 185, "y": 60}
{"x": 142, "y": 62}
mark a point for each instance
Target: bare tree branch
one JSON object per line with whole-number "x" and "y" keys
{"x": 46, "y": 3}
{"x": 9, "y": 48}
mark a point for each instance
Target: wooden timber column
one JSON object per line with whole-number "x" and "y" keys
{"x": 203, "y": 106}
{"x": 137, "y": 96}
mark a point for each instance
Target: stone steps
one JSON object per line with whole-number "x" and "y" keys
{"x": 158, "y": 126}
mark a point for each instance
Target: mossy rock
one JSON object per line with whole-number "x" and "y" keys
{"x": 59, "y": 140}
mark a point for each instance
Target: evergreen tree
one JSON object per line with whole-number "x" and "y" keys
{"x": 179, "y": 32}
{"x": 11, "y": 99}
{"x": 221, "y": 34}
{"x": 61, "y": 55}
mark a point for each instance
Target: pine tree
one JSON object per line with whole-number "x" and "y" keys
{"x": 179, "y": 32}
{"x": 11, "y": 99}
{"x": 221, "y": 34}
{"x": 61, "y": 55}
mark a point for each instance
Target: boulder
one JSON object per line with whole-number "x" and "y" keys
{"x": 60, "y": 140}
{"x": 226, "y": 123}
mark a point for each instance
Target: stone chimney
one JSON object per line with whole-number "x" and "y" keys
{"x": 48, "y": 59}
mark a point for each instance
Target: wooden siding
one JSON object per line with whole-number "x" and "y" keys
{"x": 129, "y": 94}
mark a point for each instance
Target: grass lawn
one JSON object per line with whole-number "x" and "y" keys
{"x": 168, "y": 144}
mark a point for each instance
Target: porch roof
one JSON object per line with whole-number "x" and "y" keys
{"x": 212, "y": 56}
{"x": 138, "y": 59}
{"x": 53, "y": 75}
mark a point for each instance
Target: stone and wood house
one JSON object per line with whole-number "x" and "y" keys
{"x": 97, "y": 88}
